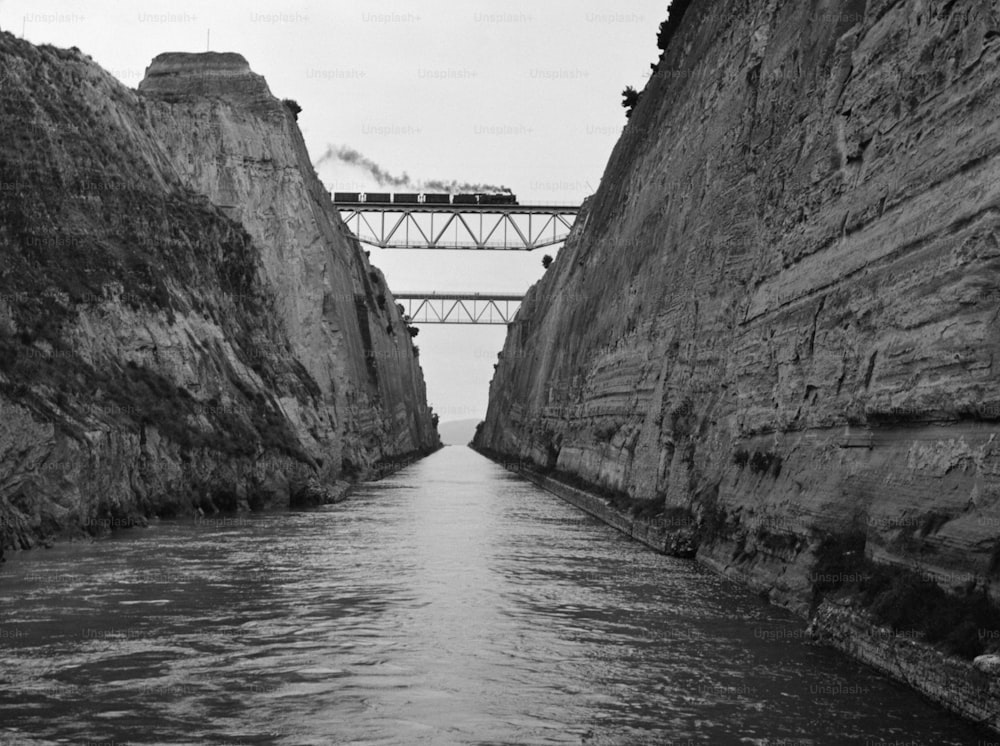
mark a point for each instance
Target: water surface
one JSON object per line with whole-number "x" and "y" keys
{"x": 452, "y": 603}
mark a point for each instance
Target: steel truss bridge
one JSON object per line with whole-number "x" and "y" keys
{"x": 460, "y": 308}
{"x": 458, "y": 226}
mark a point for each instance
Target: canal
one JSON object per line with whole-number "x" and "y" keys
{"x": 451, "y": 603}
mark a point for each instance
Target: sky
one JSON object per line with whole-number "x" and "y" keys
{"x": 522, "y": 94}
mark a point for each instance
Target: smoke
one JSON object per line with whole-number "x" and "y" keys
{"x": 435, "y": 185}
{"x": 346, "y": 154}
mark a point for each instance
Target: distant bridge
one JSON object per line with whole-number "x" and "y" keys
{"x": 503, "y": 227}
{"x": 460, "y": 308}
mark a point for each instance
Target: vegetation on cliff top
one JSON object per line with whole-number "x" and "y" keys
{"x": 668, "y": 27}
{"x": 293, "y": 106}
{"x": 665, "y": 32}
{"x": 630, "y": 97}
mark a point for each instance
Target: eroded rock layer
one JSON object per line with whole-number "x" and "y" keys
{"x": 183, "y": 324}
{"x": 780, "y": 307}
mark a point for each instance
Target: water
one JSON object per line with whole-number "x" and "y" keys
{"x": 452, "y": 603}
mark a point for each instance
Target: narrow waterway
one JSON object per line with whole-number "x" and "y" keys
{"x": 452, "y": 603}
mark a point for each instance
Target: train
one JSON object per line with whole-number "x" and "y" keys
{"x": 424, "y": 198}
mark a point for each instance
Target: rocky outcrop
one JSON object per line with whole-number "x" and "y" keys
{"x": 779, "y": 309}
{"x": 183, "y": 324}
{"x": 180, "y": 76}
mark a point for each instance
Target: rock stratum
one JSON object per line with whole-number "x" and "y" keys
{"x": 184, "y": 324}
{"x": 779, "y": 311}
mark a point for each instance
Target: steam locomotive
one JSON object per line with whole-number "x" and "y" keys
{"x": 424, "y": 198}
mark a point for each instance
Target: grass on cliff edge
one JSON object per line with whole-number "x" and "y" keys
{"x": 965, "y": 625}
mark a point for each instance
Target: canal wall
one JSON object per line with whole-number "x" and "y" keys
{"x": 778, "y": 309}
{"x": 777, "y": 313}
{"x": 971, "y": 689}
{"x": 671, "y": 535}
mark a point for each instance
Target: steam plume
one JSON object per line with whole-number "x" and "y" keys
{"x": 383, "y": 178}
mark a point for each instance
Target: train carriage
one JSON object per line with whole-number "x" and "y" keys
{"x": 429, "y": 198}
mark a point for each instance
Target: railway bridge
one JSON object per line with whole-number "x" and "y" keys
{"x": 460, "y": 308}
{"x": 480, "y": 221}
{"x": 417, "y": 221}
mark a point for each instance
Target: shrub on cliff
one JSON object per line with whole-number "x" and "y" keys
{"x": 630, "y": 97}
{"x": 763, "y": 462}
{"x": 546, "y": 261}
{"x": 293, "y": 106}
{"x": 668, "y": 27}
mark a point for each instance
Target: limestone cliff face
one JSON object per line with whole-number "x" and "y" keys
{"x": 780, "y": 308}
{"x": 231, "y": 140}
{"x": 166, "y": 347}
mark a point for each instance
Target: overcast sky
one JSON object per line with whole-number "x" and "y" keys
{"x": 515, "y": 93}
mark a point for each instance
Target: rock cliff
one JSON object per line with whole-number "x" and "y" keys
{"x": 183, "y": 324}
{"x": 779, "y": 311}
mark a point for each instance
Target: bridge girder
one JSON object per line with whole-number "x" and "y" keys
{"x": 494, "y": 227}
{"x": 460, "y": 308}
